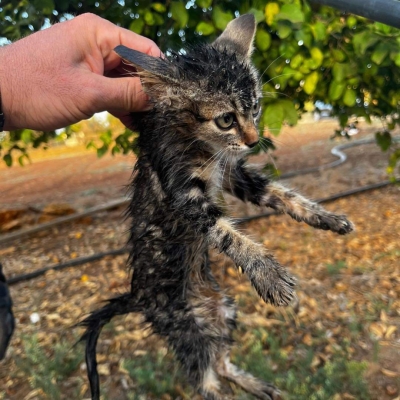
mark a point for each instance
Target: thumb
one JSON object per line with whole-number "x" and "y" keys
{"x": 123, "y": 94}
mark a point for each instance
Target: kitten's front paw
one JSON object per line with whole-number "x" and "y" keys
{"x": 332, "y": 222}
{"x": 271, "y": 281}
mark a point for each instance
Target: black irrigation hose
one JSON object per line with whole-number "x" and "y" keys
{"x": 385, "y": 11}
{"x": 337, "y": 151}
{"x": 70, "y": 263}
{"x": 68, "y": 218}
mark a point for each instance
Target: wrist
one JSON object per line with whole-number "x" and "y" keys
{"x": 7, "y": 83}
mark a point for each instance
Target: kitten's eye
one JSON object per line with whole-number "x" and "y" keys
{"x": 256, "y": 108}
{"x": 225, "y": 121}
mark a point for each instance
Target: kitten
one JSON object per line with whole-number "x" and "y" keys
{"x": 193, "y": 144}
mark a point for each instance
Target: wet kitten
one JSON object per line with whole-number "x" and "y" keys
{"x": 193, "y": 144}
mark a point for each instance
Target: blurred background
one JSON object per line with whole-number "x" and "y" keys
{"x": 330, "y": 119}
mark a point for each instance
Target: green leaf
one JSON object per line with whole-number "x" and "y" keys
{"x": 204, "y": 3}
{"x": 305, "y": 36}
{"x": 205, "y": 28}
{"x": 221, "y": 18}
{"x": 271, "y": 10}
{"x": 287, "y": 49}
{"x": 26, "y": 136}
{"x": 296, "y": 61}
{"x": 263, "y": 40}
{"x": 258, "y": 14}
{"x": 383, "y": 139}
{"x": 292, "y": 13}
{"x": 380, "y": 53}
{"x": 273, "y": 117}
{"x": 396, "y": 58}
{"x": 289, "y": 111}
{"x": 21, "y": 159}
{"x": 159, "y": 7}
{"x": 7, "y": 159}
{"x": 91, "y": 145}
{"x": 310, "y": 83}
{"x": 340, "y": 71}
{"x": 363, "y": 40}
{"x": 149, "y": 18}
{"x": 102, "y": 150}
{"x": 106, "y": 137}
{"x": 45, "y": 6}
{"x": 319, "y": 31}
{"x": 179, "y": 13}
{"x": 350, "y": 97}
{"x": 158, "y": 19}
{"x": 115, "y": 150}
{"x": 317, "y": 56}
{"x": 338, "y": 55}
{"x": 351, "y": 21}
{"x": 343, "y": 120}
{"x": 284, "y": 29}
{"x": 386, "y": 29}
{"x": 137, "y": 26}
{"x": 336, "y": 90}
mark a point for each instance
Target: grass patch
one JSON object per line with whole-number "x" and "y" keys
{"x": 334, "y": 269}
{"x": 155, "y": 374}
{"x": 46, "y": 371}
{"x": 295, "y": 373}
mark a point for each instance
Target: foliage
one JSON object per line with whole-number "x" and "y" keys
{"x": 306, "y": 52}
{"x": 46, "y": 372}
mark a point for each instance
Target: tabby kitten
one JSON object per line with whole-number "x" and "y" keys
{"x": 193, "y": 144}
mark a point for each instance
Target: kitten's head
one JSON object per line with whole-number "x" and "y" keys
{"x": 213, "y": 87}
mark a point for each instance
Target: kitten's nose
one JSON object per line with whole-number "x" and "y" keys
{"x": 251, "y": 145}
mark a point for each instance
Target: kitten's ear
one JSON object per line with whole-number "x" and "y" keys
{"x": 157, "y": 67}
{"x": 238, "y": 36}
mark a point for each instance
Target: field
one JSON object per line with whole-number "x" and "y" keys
{"x": 340, "y": 341}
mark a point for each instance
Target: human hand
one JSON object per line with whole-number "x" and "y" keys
{"x": 66, "y": 73}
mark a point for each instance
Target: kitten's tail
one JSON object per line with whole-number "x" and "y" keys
{"x": 94, "y": 323}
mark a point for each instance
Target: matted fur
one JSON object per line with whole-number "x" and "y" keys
{"x": 185, "y": 160}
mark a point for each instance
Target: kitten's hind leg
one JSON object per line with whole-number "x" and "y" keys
{"x": 191, "y": 334}
{"x": 258, "y": 388}
{"x": 224, "y": 367}
{"x": 301, "y": 209}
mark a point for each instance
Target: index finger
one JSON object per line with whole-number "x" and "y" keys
{"x": 112, "y": 36}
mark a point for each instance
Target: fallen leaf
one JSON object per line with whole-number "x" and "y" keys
{"x": 390, "y": 374}
{"x": 307, "y": 339}
{"x": 377, "y": 330}
{"x": 103, "y": 369}
{"x": 390, "y": 330}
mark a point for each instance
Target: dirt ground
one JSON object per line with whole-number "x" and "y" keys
{"x": 344, "y": 282}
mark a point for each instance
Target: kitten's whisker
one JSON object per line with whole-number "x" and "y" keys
{"x": 277, "y": 77}
{"x": 265, "y": 70}
{"x": 195, "y": 140}
{"x": 272, "y": 93}
{"x": 209, "y": 161}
